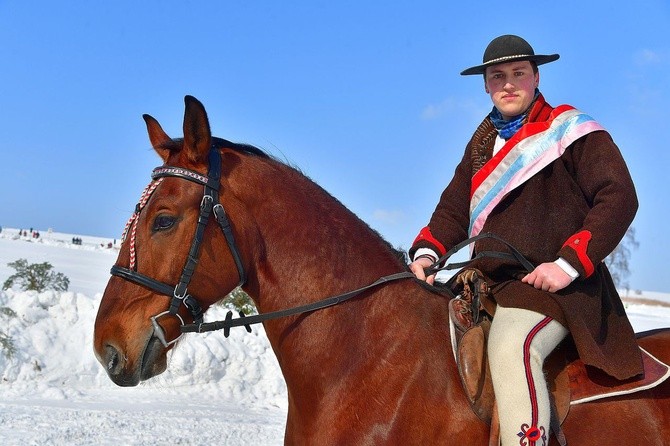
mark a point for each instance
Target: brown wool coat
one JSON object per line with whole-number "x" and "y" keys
{"x": 587, "y": 188}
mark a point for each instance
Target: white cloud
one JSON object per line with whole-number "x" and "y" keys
{"x": 387, "y": 216}
{"x": 647, "y": 57}
{"x": 454, "y": 106}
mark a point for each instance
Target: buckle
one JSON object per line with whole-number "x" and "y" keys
{"x": 160, "y": 333}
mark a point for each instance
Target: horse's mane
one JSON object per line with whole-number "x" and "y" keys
{"x": 175, "y": 145}
{"x": 240, "y": 147}
{"x": 248, "y": 149}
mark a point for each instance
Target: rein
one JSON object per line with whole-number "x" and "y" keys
{"x": 514, "y": 255}
{"x": 246, "y": 321}
{"x": 210, "y": 204}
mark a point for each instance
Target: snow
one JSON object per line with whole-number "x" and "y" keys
{"x": 216, "y": 390}
{"x": 53, "y": 390}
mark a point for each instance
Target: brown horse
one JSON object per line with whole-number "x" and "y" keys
{"x": 377, "y": 369}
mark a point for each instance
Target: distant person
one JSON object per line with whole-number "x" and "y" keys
{"x": 552, "y": 183}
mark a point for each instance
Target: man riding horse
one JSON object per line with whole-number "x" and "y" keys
{"x": 552, "y": 183}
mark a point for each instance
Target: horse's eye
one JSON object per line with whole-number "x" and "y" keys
{"x": 163, "y": 222}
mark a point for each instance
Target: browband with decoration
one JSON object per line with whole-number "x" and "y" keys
{"x": 169, "y": 171}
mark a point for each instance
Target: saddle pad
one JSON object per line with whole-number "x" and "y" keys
{"x": 589, "y": 384}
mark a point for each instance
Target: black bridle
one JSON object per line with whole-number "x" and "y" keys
{"x": 209, "y": 204}
{"x": 179, "y": 293}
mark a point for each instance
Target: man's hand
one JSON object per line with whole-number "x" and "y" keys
{"x": 548, "y": 277}
{"x": 418, "y": 266}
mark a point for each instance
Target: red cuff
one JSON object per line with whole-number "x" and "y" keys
{"x": 580, "y": 242}
{"x": 426, "y": 236}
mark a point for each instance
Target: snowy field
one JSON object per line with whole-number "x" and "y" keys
{"x": 216, "y": 390}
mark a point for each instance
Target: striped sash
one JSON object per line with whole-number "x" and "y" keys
{"x": 531, "y": 149}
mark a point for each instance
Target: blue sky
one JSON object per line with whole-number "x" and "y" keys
{"x": 364, "y": 97}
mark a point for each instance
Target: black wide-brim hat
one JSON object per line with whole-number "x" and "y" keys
{"x": 508, "y": 48}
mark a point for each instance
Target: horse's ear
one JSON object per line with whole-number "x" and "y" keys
{"x": 197, "y": 134}
{"x": 157, "y": 136}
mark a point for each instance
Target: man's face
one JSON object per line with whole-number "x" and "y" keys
{"x": 511, "y": 86}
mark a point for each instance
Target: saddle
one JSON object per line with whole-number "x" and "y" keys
{"x": 570, "y": 381}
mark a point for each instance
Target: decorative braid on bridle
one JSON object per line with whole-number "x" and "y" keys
{"x": 131, "y": 225}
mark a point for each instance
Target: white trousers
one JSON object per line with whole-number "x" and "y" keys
{"x": 519, "y": 342}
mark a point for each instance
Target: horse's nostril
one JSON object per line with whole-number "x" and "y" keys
{"x": 113, "y": 360}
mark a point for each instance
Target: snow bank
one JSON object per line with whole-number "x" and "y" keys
{"x": 52, "y": 333}
{"x": 229, "y": 391}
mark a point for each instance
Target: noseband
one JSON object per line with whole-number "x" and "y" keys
{"x": 209, "y": 203}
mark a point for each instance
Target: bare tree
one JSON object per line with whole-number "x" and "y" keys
{"x": 618, "y": 260}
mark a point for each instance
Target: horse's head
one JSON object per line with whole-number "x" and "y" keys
{"x": 177, "y": 258}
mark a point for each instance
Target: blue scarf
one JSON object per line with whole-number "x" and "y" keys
{"x": 507, "y": 128}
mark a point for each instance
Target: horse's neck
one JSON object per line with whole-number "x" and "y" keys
{"x": 315, "y": 248}
{"x": 311, "y": 245}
